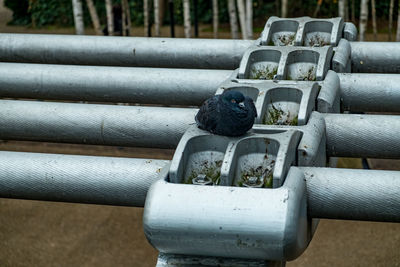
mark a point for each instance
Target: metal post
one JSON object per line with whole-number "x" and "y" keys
{"x": 375, "y": 57}
{"x": 367, "y": 195}
{"x": 370, "y": 92}
{"x": 122, "y": 51}
{"x": 94, "y": 124}
{"x": 79, "y": 179}
{"x": 109, "y": 84}
{"x": 370, "y": 136}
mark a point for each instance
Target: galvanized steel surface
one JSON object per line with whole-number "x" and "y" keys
{"x": 122, "y": 51}
{"x": 222, "y": 221}
{"x": 348, "y": 135}
{"x": 369, "y": 136}
{"x": 94, "y": 124}
{"x": 332, "y": 193}
{"x": 375, "y": 57}
{"x": 80, "y": 179}
{"x": 109, "y": 84}
{"x": 368, "y": 195}
{"x": 359, "y": 92}
{"x": 370, "y": 92}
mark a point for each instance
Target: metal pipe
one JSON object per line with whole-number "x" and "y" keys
{"x": 109, "y": 84}
{"x": 375, "y": 57}
{"x": 367, "y": 92}
{"x": 332, "y": 193}
{"x": 79, "y": 179}
{"x": 359, "y": 92}
{"x": 348, "y": 135}
{"x": 367, "y": 195}
{"x": 94, "y": 124}
{"x": 122, "y": 51}
{"x": 370, "y": 136}
{"x": 379, "y": 57}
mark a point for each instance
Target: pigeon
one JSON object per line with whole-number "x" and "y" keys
{"x": 229, "y": 114}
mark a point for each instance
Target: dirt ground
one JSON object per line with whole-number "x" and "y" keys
{"x": 35, "y": 233}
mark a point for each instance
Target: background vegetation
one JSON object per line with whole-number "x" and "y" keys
{"x": 38, "y": 13}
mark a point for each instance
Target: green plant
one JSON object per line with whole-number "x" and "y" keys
{"x": 263, "y": 73}
{"x": 211, "y": 170}
{"x": 287, "y": 39}
{"x": 276, "y": 116}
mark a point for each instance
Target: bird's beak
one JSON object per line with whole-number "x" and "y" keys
{"x": 241, "y": 105}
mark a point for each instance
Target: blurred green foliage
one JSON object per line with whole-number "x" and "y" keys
{"x": 59, "y": 12}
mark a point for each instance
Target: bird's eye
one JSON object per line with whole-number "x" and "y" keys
{"x": 233, "y": 100}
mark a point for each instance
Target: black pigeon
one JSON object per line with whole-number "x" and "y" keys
{"x": 229, "y": 114}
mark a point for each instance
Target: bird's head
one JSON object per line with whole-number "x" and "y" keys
{"x": 233, "y": 98}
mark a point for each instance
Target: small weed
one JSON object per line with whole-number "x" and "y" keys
{"x": 308, "y": 76}
{"x": 294, "y": 122}
{"x": 286, "y": 39}
{"x": 317, "y": 41}
{"x": 271, "y": 43}
{"x": 212, "y": 171}
{"x": 264, "y": 176}
{"x": 276, "y": 116}
{"x": 263, "y": 73}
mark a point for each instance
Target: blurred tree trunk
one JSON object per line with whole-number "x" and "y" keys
{"x": 373, "y": 11}
{"x": 391, "y": 6}
{"x": 363, "y": 19}
{"x": 146, "y": 17}
{"x": 233, "y": 19}
{"x": 398, "y": 25}
{"x": 186, "y": 18}
{"x": 316, "y": 11}
{"x": 346, "y": 10}
{"x": 353, "y": 11}
{"x": 249, "y": 18}
{"x": 126, "y": 18}
{"x": 78, "y": 17}
{"x": 277, "y": 6}
{"x": 242, "y": 18}
{"x": 215, "y": 17}
{"x": 161, "y": 8}
{"x": 156, "y": 18}
{"x": 110, "y": 17}
{"x": 94, "y": 17}
{"x": 284, "y": 8}
{"x": 342, "y": 10}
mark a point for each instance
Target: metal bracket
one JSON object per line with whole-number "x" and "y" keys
{"x": 285, "y": 63}
{"x": 222, "y": 221}
{"x": 262, "y": 157}
{"x": 306, "y": 31}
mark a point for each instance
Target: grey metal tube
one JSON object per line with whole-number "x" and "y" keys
{"x": 359, "y": 92}
{"x": 370, "y": 92}
{"x": 367, "y": 195}
{"x": 375, "y": 57}
{"x": 348, "y": 135}
{"x": 373, "y": 136}
{"x": 122, "y": 51}
{"x": 80, "y": 179}
{"x": 109, "y": 84}
{"x": 94, "y": 124}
